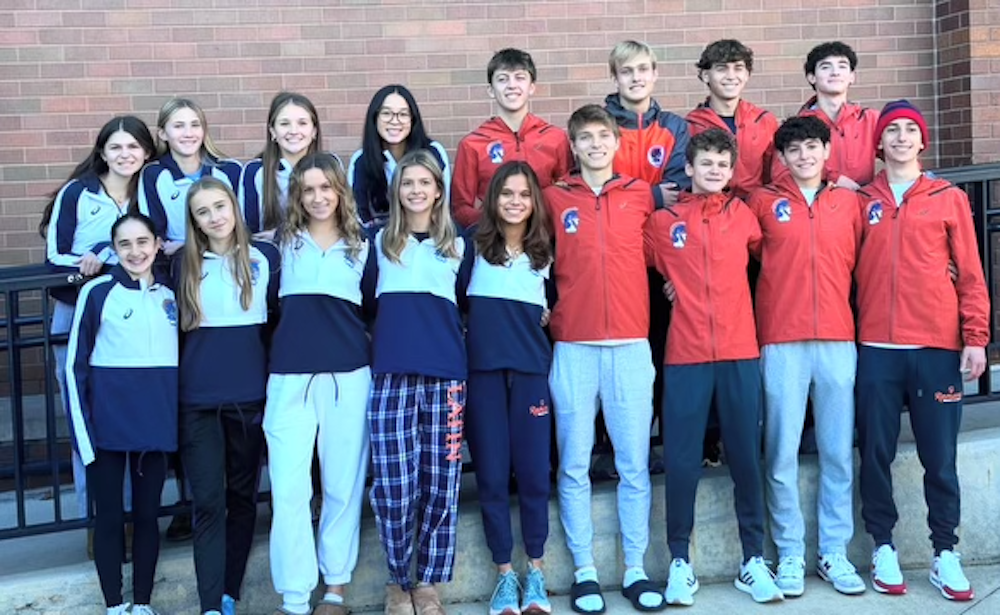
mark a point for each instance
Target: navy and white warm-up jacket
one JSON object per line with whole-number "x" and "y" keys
{"x": 81, "y": 222}
{"x": 251, "y": 190}
{"x": 324, "y": 295}
{"x": 418, "y": 329}
{"x": 364, "y": 197}
{"x": 121, "y": 366}
{"x": 505, "y": 312}
{"x": 163, "y": 189}
{"x": 224, "y": 360}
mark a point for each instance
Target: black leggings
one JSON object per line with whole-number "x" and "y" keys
{"x": 104, "y": 480}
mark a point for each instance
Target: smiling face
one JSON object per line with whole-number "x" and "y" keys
{"x": 726, "y": 80}
{"x": 213, "y": 212}
{"x": 418, "y": 190}
{"x": 901, "y": 142}
{"x": 805, "y": 160}
{"x": 393, "y": 120}
{"x": 183, "y": 133}
{"x": 319, "y": 199}
{"x": 293, "y": 130}
{"x": 710, "y": 172}
{"x": 136, "y": 248}
{"x": 594, "y": 146}
{"x": 511, "y": 88}
{"x": 514, "y": 204}
{"x": 833, "y": 76}
{"x": 124, "y": 155}
{"x": 635, "y": 78}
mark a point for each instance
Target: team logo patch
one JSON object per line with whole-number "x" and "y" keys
{"x": 175, "y": 195}
{"x": 96, "y": 210}
{"x": 495, "y": 152}
{"x": 128, "y": 314}
{"x": 571, "y": 220}
{"x": 298, "y": 244}
{"x": 170, "y": 307}
{"x": 874, "y": 211}
{"x": 782, "y": 210}
{"x": 950, "y": 397}
{"x": 254, "y": 272}
{"x": 678, "y": 234}
{"x": 656, "y": 155}
{"x": 542, "y": 409}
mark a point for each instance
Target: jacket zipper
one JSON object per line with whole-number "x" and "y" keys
{"x": 604, "y": 264}
{"x": 815, "y": 277}
{"x": 705, "y": 251}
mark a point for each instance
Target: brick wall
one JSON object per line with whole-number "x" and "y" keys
{"x": 66, "y": 66}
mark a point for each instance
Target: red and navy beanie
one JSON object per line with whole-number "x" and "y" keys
{"x": 896, "y": 110}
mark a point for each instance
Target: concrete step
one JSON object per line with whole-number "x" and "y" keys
{"x": 73, "y": 587}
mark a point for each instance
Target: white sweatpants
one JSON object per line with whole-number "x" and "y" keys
{"x": 330, "y": 411}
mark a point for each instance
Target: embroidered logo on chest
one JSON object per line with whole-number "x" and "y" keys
{"x": 495, "y": 151}
{"x": 170, "y": 307}
{"x": 571, "y": 220}
{"x": 678, "y": 234}
{"x": 873, "y": 212}
{"x": 782, "y": 210}
{"x": 656, "y": 156}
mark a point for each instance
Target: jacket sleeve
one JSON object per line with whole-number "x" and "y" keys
{"x": 464, "y": 184}
{"x": 973, "y": 298}
{"x": 62, "y": 226}
{"x": 755, "y": 237}
{"x": 674, "y": 171}
{"x": 83, "y": 335}
{"x": 564, "y": 158}
{"x": 465, "y": 272}
{"x": 445, "y": 169}
{"x": 250, "y": 197}
{"x": 149, "y": 199}
{"x": 649, "y": 241}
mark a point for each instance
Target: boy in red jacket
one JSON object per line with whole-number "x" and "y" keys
{"x": 513, "y": 134}
{"x": 829, "y": 70}
{"x": 725, "y": 67}
{"x": 918, "y": 333}
{"x": 806, "y": 330}
{"x": 601, "y": 355}
{"x": 703, "y": 244}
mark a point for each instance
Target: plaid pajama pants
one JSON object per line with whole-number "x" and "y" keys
{"x": 416, "y": 439}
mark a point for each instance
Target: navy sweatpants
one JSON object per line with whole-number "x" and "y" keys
{"x": 687, "y": 398}
{"x": 928, "y": 381}
{"x": 508, "y": 424}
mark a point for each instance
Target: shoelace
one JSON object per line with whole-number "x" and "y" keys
{"x": 839, "y": 565}
{"x": 757, "y": 567}
{"x": 535, "y": 582}
{"x": 506, "y": 591}
{"x": 790, "y": 567}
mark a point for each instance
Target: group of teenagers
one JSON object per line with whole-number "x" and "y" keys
{"x": 380, "y": 313}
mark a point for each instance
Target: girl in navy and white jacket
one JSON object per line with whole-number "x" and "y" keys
{"x": 186, "y": 153}
{"x": 76, "y": 225}
{"x": 318, "y": 390}
{"x": 418, "y": 400}
{"x": 293, "y": 132}
{"x": 227, "y": 289}
{"x": 509, "y": 421}
{"x": 122, "y": 377}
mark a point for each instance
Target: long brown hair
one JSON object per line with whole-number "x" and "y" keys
{"x": 195, "y": 245}
{"x": 271, "y": 156}
{"x": 491, "y": 242}
{"x": 442, "y": 228}
{"x": 346, "y": 214}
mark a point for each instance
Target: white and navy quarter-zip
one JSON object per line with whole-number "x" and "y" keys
{"x": 121, "y": 367}
{"x": 322, "y": 295}
{"x": 224, "y": 360}
{"x": 163, "y": 189}
{"x": 251, "y": 190}
{"x": 418, "y": 329}
{"x": 82, "y": 217}
{"x": 505, "y": 312}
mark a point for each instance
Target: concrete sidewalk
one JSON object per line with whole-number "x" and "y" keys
{"x": 820, "y": 599}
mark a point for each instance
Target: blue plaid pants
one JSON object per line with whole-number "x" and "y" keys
{"x": 416, "y": 439}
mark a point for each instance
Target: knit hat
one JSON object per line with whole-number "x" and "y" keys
{"x": 897, "y": 110}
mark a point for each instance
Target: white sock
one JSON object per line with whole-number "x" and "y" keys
{"x": 636, "y": 574}
{"x": 298, "y": 609}
{"x": 588, "y": 603}
{"x": 334, "y": 598}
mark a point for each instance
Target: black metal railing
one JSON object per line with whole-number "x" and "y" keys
{"x": 26, "y": 341}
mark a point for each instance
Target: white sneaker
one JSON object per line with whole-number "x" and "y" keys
{"x": 886, "y": 575}
{"x": 121, "y": 609}
{"x": 947, "y": 576}
{"x": 791, "y": 578}
{"x": 835, "y": 568}
{"x": 681, "y": 584}
{"x": 143, "y": 609}
{"x": 757, "y": 580}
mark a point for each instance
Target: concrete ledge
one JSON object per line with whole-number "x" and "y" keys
{"x": 715, "y": 544}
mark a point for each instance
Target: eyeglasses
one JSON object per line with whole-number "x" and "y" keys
{"x": 387, "y": 115}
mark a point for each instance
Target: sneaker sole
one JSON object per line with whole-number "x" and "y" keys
{"x": 743, "y": 587}
{"x": 535, "y": 609}
{"x": 793, "y": 593}
{"x": 847, "y": 591}
{"x": 683, "y": 601}
{"x": 950, "y": 594}
{"x": 885, "y": 588}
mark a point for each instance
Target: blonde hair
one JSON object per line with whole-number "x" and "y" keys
{"x": 442, "y": 229}
{"x": 346, "y": 214}
{"x": 209, "y": 151}
{"x": 195, "y": 245}
{"x": 625, "y": 51}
